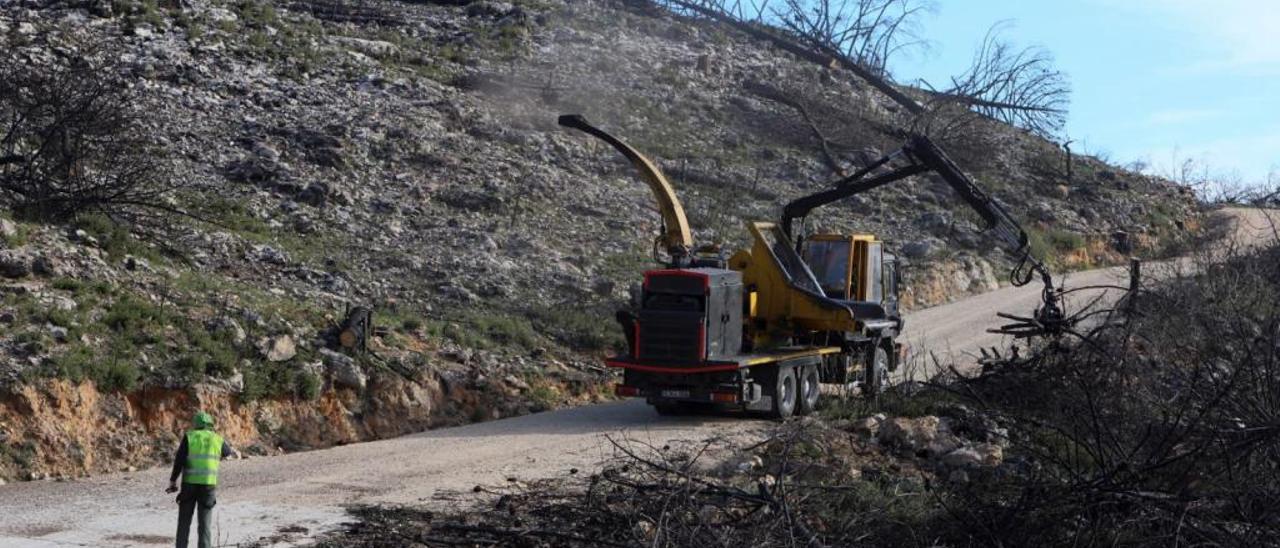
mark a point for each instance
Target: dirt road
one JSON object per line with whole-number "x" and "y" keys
{"x": 260, "y": 496}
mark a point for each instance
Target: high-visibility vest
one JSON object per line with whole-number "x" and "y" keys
{"x": 204, "y": 452}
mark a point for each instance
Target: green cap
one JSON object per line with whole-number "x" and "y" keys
{"x": 203, "y": 420}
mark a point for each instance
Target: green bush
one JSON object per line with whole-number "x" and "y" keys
{"x": 113, "y": 237}
{"x": 67, "y": 284}
{"x": 114, "y": 372}
{"x": 590, "y": 329}
{"x": 544, "y": 396}
{"x": 411, "y": 324}
{"x": 309, "y": 385}
{"x": 1046, "y": 245}
{"x": 260, "y": 382}
{"x": 136, "y": 319}
{"x": 1066, "y": 241}
{"x": 268, "y": 380}
{"x": 220, "y": 356}
{"x": 488, "y": 330}
{"x": 258, "y": 14}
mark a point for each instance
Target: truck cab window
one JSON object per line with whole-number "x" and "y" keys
{"x": 829, "y": 261}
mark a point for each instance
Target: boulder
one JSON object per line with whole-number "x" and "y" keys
{"x": 602, "y": 286}
{"x": 868, "y": 426}
{"x": 278, "y": 349}
{"x": 516, "y": 382}
{"x": 487, "y": 8}
{"x": 8, "y": 229}
{"x": 372, "y": 48}
{"x": 58, "y": 302}
{"x": 944, "y": 443}
{"x": 458, "y": 292}
{"x": 963, "y": 457}
{"x": 267, "y": 254}
{"x": 83, "y": 238}
{"x": 14, "y": 264}
{"x": 992, "y": 454}
{"x": 315, "y": 193}
{"x": 49, "y": 266}
{"x": 917, "y": 249}
{"x": 235, "y": 383}
{"x": 912, "y": 434}
{"x": 344, "y": 370}
{"x": 228, "y": 328}
{"x": 58, "y": 333}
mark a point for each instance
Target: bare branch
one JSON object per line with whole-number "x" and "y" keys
{"x": 76, "y": 143}
{"x": 1016, "y": 86}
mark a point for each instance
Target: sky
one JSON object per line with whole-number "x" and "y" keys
{"x": 1159, "y": 81}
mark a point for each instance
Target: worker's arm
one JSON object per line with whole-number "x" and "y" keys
{"x": 179, "y": 462}
{"x": 228, "y": 451}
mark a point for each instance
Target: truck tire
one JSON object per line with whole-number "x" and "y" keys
{"x": 810, "y": 390}
{"x": 785, "y": 393}
{"x": 875, "y": 376}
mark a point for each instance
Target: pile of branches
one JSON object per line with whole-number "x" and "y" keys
{"x": 1158, "y": 427}
{"x": 664, "y": 497}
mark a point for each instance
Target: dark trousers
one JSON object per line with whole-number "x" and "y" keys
{"x": 190, "y": 498}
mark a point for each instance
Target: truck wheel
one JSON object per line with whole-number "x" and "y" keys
{"x": 810, "y": 390}
{"x": 875, "y": 376}
{"x": 785, "y": 393}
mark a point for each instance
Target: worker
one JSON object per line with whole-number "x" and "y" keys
{"x": 197, "y": 461}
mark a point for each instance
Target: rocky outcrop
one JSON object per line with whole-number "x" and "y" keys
{"x": 57, "y": 428}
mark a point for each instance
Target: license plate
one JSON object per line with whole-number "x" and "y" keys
{"x": 675, "y": 393}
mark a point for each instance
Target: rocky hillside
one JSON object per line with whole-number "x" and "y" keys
{"x": 405, "y": 156}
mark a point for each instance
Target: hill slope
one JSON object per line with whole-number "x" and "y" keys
{"x": 405, "y": 156}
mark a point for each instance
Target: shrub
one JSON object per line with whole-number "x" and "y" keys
{"x": 309, "y": 385}
{"x": 491, "y": 329}
{"x": 75, "y": 142}
{"x": 110, "y": 373}
{"x": 131, "y": 315}
{"x": 67, "y": 284}
{"x": 1046, "y": 245}
{"x": 590, "y": 329}
{"x": 411, "y": 324}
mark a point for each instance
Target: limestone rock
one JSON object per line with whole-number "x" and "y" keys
{"x": 14, "y": 264}
{"x": 228, "y": 328}
{"x": 278, "y": 349}
{"x": 912, "y": 434}
{"x": 868, "y": 426}
{"x": 344, "y": 369}
{"x": 991, "y": 454}
{"x": 964, "y": 457}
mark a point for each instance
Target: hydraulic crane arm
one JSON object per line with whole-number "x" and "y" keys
{"x": 922, "y": 156}
{"x": 676, "y": 237}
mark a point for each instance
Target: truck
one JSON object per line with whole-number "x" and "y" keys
{"x": 764, "y": 328}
